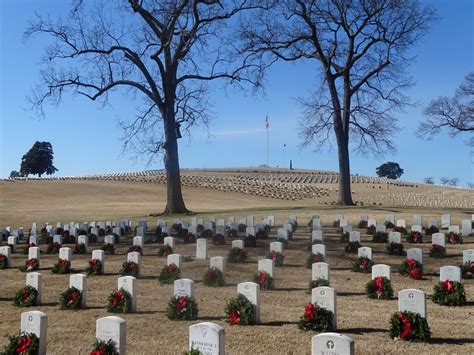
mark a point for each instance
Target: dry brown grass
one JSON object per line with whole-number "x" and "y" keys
{"x": 150, "y": 332}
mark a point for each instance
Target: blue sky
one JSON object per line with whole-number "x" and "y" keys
{"x": 86, "y": 137}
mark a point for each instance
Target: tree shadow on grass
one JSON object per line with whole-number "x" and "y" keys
{"x": 289, "y": 289}
{"x": 148, "y": 312}
{"x": 277, "y": 323}
{"x": 209, "y": 318}
{"x": 362, "y": 331}
{"x": 291, "y": 265}
{"x": 149, "y": 277}
{"x": 50, "y": 304}
{"x": 96, "y": 307}
{"x": 351, "y": 294}
{"x": 452, "y": 341}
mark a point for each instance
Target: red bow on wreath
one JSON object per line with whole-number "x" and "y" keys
{"x": 363, "y": 263}
{"x": 452, "y": 238}
{"x": 23, "y": 345}
{"x": 234, "y": 317}
{"x": 378, "y": 284}
{"x": 406, "y": 327}
{"x": 471, "y": 268}
{"x": 117, "y": 299}
{"x": 262, "y": 279}
{"x": 448, "y": 286}
{"x": 309, "y": 312}
{"x": 74, "y": 296}
{"x": 411, "y": 263}
{"x": 181, "y": 304}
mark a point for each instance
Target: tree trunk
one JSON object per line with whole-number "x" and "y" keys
{"x": 345, "y": 194}
{"x": 174, "y": 197}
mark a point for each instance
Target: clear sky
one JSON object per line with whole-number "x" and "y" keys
{"x": 86, "y": 138}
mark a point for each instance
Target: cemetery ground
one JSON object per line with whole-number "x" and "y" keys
{"x": 150, "y": 332}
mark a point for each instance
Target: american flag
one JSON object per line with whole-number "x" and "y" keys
{"x": 266, "y": 123}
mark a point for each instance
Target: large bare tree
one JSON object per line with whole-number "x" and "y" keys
{"x": 164, "y": 51}
{"x": 455, "y": 114}
{"x": 362, "y": 50}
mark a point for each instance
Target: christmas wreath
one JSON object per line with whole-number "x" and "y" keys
{"x": 395, "y": 249}
{"x": 250, "y": 241}
{"x": 169, "y": 274}
{"x": 344, "y": 238}
{"x": 412, "y": 268}
{"x": 26, "y": 297}
{"x": 135, "y": 248}
{"x": 102, "y": 347}
{"x": 30, "y": 265}
{"x": 352, "y": 247}
{"x": 165, "y": 250}
{"x": 130, "y": 268}
{"x": 218, "y": 239}
{"x": 389, "y": 224}
{"x": 193, "y": 351}
{"x": 119, "y": 301}
{"x": 314, "y": 258}
{"x": 26, "y": 251}
{"x": 336, "y": 224}
{"x": 363, "y": 265}
{"x": 283, "y": 241}
{"x": 176, "y": 228}
{"x": 22, "y": 344}
{"x": 264, "y": 280}
{"x": 237, "y": 255}
{"x": 437, "y": 251}
{"x": 415, "y": 237}
{"x": 317, "y": 283}
{"x": 277, "y": 257}
{"x": 380, "y": 237}
{"x": 214, "y": 277}
{"x": 380, "y": 288}
{"x": 400, "y": 229}
{"x": 70, "y": 299}
{"x": 3, "y": 262}
{"x": 454, "y": 238}
{"x": 431, "y": 230}
{"x": 189, "y": 238}
{"x": 316, "y": 319}
{"x": 53, "y": 248}
{"x": 182, "y": 308}
{"x": 240, "y": 311}
{"x": 109, "y": 249}
{"x": 63, "y": 266}
{"x": 207, "y": 233}
{"x": 79, "y": 248}
{"x": 95, "y": 267}
{"x": 67, "y": 238}
{"x": 362, "y": 225}
{"x": 91, "y": 238}
{"x": 371, "y": 230}
{"x": 232, "y": 233}
{"x": 467, "y": 270}
{"x": 449, "y": 293}
{"x": 262, "y": 233}
{"x": 409, "y": 326}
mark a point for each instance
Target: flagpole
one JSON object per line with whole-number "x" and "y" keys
{"x": 267, "y": 148}
{"x": 267, "y": 125}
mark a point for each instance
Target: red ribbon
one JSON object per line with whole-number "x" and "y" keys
{"x": 448, "y": 286}
{"x": 378, "y": 284}
{"x": 23, "y": 345}
{"x": 234, "y": 318}
{"x": 182, "y": 304}
{"x": 416, "y": 274}
{"x": 411, "y": 264}
{"x": 363, "y": 263}
{"x": 309, "y": 312}
{"x": 262, "y": 279}
{"x": 406, "y": 327}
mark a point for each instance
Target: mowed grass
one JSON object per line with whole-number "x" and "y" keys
{"x": 150, "y": 332}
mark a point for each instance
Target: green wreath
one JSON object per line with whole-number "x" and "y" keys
{"x": 237, "y": 255}
{"x": 352, "y": 247}
{"x": 193, "y": 351}
{"x": 264, "y": 280}
{"x": 412, "y": 268}
{"x": 389, "y": 224}
{"x": 240, "y": 311}
{"x": 70, "y": 299}
{"x": 109, "y": 249}
{"x": 449, "y": 293}
{"x": 415, "y": 237}
{"x": 79, "y": 249}
{"x": 380, "y": 237}
{"x": 26, "y": 296}
{"x": 316, "y": 319}
{"x": 30, "y": 265}
{"x": 409, "y": 326}
{"x": 165, "y": 250}
{"x": 379, "y": 288}
{"x": 454, "y": 238}
{"x": 362, "y": 225}
{"x": 135, "y": 248}
{"x": 437, "y": 251}
{"x": 395, "y": 249}
{"x": 23, "y": 343}
{"x": 169, "y": 273}
{"x": 317, "y": 283}
{"x": 250, "y": 241}
{"x": 363, "y": 265}
{"x": 53, "y": 248}
{"x": 130, "y": 268}
{"x": 214, "y": 277}
{"x": 314, "y": 258}
{"x": 277, "y": 257}
{"x": 95, "y": 267}
{"x": 119, "y": 301}
{"x": 467, "y": 270}
{"x": 102, "y": 347}
{"x": 61, "y": 267}
{"x": 371, "y": 230}
{"x": 182, "y": 308}
{"x": 3, "y": 262}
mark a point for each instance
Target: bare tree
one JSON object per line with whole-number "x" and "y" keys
{"x": 444, "y": 180}
{"x": 428, "y": 180}
{"x": 456, "y": 114}
{"x": 162, "y": 51}
{"x": 361, "y": 49}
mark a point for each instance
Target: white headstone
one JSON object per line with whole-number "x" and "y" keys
{"x": 136, "y": 258}
{"x": 6, "y": 251}
{"x": 418, "y": 219}
{"x": 445, "y": 221}
{"x": 380, "y": 228}
{"x": 65, "y": 253}
{"x": 34, "y": 253}
{"x": 283, "y": 233}
{"x": 320, "y": 271}
{"x": 415, "y": 253}
{"x": 139, "y": 241}
{"x": 250, "y": 231}
{"x": 35, "y": 280}
{"x": 201, "y": 248}
{"x": 116, "y": 230}
{"x": 412, "y": 300}
{"x": 266, "y": 265}
{"x": 467, "y": 256}
{"x": 141, "y": 231}
{"x": 371, "y": 222}
{"x": 390, "y": 218}
{"x": 452, "y": 273}
{"x": 218, "y": 262}
{"x": 432, "y": 221}
{"x": 271, "y": 221}
{"x": 354, "y": 236}
{"x": 238, "y": 244}
{"x": 343, "y": 222}
{"x": 454, "y": 229}
{"x": 394, "y": 237}
{"x": 332, "y": 344}
{"x": 317, "y": 235}
{"x": 184, "y": 287}
{"x": 129, "y": 284}
{"x": 249, "y": 221}
{"x": 109, "y": 239}
{"x": 114, "y": 328}
{"x": 466, "y": 227}
{"x": 170, "y": 241}
{"x": 83, "y": 239}
{"x": 175, "y": 259}
{"x": 439, "y": 239}
{"x": 277, "y": 247}
{"x": 58, "y": 239}
{"x": 318, "y": 249}
{"x": 99, "y": 255}
{"x": 12, "y": 242}
{"x": 251, "y": 291}
{"x": 417, "y": 228}
{"x": 401, "y": 223}
{"x": 36, "y": 322}
{"x": 79, "y": 281}
{"x": 208, "y": 338}
{"x": 364, "y": 252}
{"x": 381, "y": 270}
{"x": 325, "y": 297}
